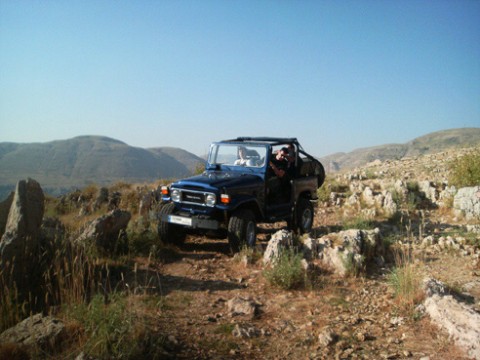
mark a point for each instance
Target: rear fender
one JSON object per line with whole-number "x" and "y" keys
{"x": 305, "y": 187}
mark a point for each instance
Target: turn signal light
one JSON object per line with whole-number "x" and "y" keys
{"x": 164, "y": 190}
{"x": 225, "y": 199}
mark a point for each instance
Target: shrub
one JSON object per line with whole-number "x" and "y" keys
{"x": 465, "y": 171}
{"x": 89, "y": 192}
{"x": 109, "y": 328}
{"x": 330, "y": 185}
{"x": 359, "y": 222}
{"x": 142, "y": 237}
{"x": 287, "y": 272}
{"x": 405, "y": 281}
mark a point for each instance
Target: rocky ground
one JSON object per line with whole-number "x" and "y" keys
{"x": 205, "y": 303}
{"x": 335, "y": 317}
{"x": 332, "y": 316}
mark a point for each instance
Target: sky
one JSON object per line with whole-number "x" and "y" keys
{"x": 337, "y": 75}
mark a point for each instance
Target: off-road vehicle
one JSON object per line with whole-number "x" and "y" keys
{"x": 235, "y": 192}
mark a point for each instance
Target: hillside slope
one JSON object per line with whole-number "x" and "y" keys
{"x": 423, "y": 145}
{"x": 64, "y": 164}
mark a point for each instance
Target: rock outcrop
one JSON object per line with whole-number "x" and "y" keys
{"x": 106, "y": 232}
{"x": 467, "y": 202}
{"x": 20, "y": 246}
{"x": 460, "y": 321}
{"x": 37, "y": 332}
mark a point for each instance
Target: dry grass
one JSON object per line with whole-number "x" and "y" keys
{"x": 405, "y": 280}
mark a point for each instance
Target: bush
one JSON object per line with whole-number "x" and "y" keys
{"x": 330, "y": 185}
{"x": 109, "y": 328}
{"x": 465, "y": 171}
{"x": 287, "y": 272}
{"x": 360, "y": 223}
{"x": 405, "y": 281}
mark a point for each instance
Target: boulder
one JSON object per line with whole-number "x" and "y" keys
{"x": 239, "y": 306}
{"x": 467, "y": 202}
{"x": 460, "y": 320}
{"x": 280, "y": 240}
{"x": 106, "y": 231}
{"x": 428, "y": 188}
{"x": 19, "y": 246}
{"x": 349, "y": 251}
{"x": 37, "y": 332}
{"x": 389, "y": 205}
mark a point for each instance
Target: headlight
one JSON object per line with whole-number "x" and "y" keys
{"x": 210, "y": 200}
{"x": 176, "y": 195}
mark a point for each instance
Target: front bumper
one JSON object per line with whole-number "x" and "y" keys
{"x": 191, "y": 222}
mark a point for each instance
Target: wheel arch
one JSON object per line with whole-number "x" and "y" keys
{"x": 251, "y": 205}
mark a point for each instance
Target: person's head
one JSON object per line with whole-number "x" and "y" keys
{"x": 242, "y": 152}
{"x": 282, "y": 154}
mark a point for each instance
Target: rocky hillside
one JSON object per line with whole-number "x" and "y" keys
{"x": 61, "y": 165}
{"x": 427, "y": 144}
{"x": 391, "y": 270}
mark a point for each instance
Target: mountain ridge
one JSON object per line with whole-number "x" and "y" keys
{"x": 62, "y": 165}
{"x": 426, "y": 144}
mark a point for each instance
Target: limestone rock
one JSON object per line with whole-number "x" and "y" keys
{"x": 106, "y": 230}
{"x": 461, "y": 321}
{"x": 349, "y": 250}
{"x": 281, "y": 239}
{"x": 242, "y": 306}
{"x": 467, "y": 201}
{"x": 19, "y": 245}
{"x": 36, "y": 332}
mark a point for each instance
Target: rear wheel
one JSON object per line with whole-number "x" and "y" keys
{"x": 167, "y": 232}
{"x": 304, "y": 216}
{"x": 242, "y": 230}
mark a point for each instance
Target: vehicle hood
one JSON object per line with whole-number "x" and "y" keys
{"x": 219, "y": 179}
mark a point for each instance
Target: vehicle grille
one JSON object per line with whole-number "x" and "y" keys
{"x": 192, "y": 197}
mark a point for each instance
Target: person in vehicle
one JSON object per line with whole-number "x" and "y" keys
{"x": 242, "y": 156}
{"x": 280, "y": 175}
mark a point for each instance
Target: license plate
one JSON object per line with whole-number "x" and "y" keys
{"x": 179, "y": 220}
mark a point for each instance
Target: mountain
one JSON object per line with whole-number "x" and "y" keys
{"x": 59, "y": 166}
{"x": 423, "y": 145}
{"x": 64, "y": 164}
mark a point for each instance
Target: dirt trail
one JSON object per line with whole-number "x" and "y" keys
{"x": 354, "y": 317}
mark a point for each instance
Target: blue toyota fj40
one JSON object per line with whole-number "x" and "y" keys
{"x": 237, "y": 191}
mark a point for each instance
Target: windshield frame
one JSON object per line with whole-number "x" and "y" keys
{"x": 225, "y": 156}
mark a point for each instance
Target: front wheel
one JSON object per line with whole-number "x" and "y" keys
{"x": 167, "y": 232}
{"x": 304, "y": 216}
{"x": 242, "y": 230}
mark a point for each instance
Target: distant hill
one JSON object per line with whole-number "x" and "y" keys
{"x": 64, "y": 164}
{"x": 59, "y": 166}
{"x": 427, "y": 144}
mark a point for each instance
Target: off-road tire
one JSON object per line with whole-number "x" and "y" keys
{"x": 303, "y": 216}
{"x": 167, "y": 232}
{"x": 242, "y": 230}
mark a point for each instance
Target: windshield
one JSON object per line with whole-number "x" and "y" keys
{"x": 237, "y": 155}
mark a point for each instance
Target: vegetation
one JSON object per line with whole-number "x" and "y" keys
{"x": 129, "y": 306}
{"x": 287, "y": 272}
{"x": 358, "y": 222}
{"x": 466, "y": 170}
{"x": 330, "y": 185}
{"x": 109, "y": 327}
{"x": 405, "y": 281}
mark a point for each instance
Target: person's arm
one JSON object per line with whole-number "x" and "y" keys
{"x": 278, "y": 172}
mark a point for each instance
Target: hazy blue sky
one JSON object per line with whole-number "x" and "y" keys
{"x": 338, "y": 75}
